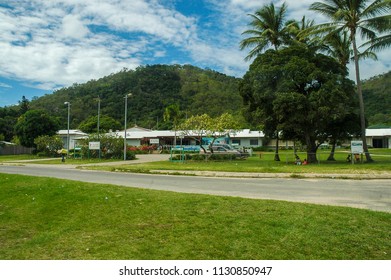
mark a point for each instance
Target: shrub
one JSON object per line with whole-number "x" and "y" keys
{"x": 48, "y": 145}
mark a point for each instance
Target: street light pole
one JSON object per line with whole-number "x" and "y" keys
{"x": 126, "y": 116}
{"x": 98, "y": 115}
{"x": 69, "y": 111}
{"x": 99, "y": 123}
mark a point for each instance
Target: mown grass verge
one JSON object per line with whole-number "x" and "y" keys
{"x": 263, "y": 164}
{"x": 42, "y": 218}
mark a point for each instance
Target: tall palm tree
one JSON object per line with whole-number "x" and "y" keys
{"x": 337, "y": 45}
{"x": 357, "y": 17}
{"x": 298, "y": 31}
{"x": 172, "y": 113}
{"x": 269, "y": 29}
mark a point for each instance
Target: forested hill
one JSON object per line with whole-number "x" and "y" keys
{"x": 153, "y": 88}
{"x": 377, "y": 99}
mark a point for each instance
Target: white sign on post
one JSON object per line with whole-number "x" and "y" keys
{"x": 154, "y": 141}
{"x": 357, "y": 147}
{"x": 94, "y": 145}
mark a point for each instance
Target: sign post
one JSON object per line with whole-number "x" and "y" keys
{"x": 94, "y": 146}
{"x": 357, "y": 149}
{"x": 181, "y": 154}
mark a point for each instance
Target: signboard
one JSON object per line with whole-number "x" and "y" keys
{"x": 94, "y": 145}
{"x": 154, "y": 141}
{"x": 357, "y": 147}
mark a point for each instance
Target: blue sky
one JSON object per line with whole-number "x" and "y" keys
{"x": 46, "y": 45}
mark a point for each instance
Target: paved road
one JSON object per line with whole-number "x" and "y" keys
{"x": 367, "y": 194}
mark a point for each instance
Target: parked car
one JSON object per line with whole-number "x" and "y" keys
{"x": 223, "y": 149}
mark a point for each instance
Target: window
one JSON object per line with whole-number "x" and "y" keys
{"x": 236, "y": 142}
{"x": 254, "y": 142}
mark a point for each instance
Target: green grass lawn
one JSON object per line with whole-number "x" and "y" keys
{"x": 266, "y": 164}
{"x": 42, "y": 218}
{"x": 57, "y": 160}
{"x": 4, "y": 158}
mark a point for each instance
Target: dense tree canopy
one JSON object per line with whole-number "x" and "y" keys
{"x": 201, "y": 91}
{"x": 8, "y": 118}
{"x": 299, "y": 92}
{"x": 153, "y": 88}
{"x": 377, "y": 98}
{"x": 106, "y": 123}
{"x": 35, "y": 123}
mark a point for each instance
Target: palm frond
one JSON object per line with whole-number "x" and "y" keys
{"x": 326, "y": 9}
{"x": 267, "y": 29}
{"x": 376, "y": 8}
{"x": 379, "y": 43}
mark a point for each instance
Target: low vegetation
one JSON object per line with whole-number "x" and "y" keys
{"x": 43, "y": 218}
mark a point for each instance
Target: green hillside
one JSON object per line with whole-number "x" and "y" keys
{"x": 377, "y": 98}
{"x": 153, "y": 88}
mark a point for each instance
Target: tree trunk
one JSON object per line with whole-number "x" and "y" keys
{"x": 311, "y": 150}
{"x": 360, "y": 99}
{"x": 199, "y": 140}
{"x": 311, "y": 155}
{"x": 331, "y": 156}
{"x": 276, "y": 155}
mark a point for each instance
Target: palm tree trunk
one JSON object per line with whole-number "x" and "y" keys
{"x": 360, "y": 99}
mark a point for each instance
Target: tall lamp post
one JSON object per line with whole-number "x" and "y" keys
{"x": 99, "y": 123}
{"x": 69, "y": 111}
{"x": 98, "y": 115}
{"x": 126, "y": 116}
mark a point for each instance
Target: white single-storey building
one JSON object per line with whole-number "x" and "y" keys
{"x": 74, "y": 135}
{"x": 378, "y": 137}
{"x": 136, "y": 136}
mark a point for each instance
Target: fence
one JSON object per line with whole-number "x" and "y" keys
{"x": 15, "y": 150}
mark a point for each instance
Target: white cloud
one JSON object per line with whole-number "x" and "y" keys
{"x": 50, "y": 43}
{"x": 4, "y": 85}
{"x": 73, "y": 27}
{"x": 160, "y": 53}
{"x": 59, "y": 42}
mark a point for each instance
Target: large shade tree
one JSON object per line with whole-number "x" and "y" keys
{"x": 362, "y": 18}
{"x": 269, "y": 28}
{"x": 306, "y": 91}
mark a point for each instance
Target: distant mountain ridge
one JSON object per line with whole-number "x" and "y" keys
{"x": 153, "y": 88}
{"x": 195, "y": 90}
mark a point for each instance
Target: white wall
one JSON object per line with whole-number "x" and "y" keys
{"x": 245, "y": 142}
{"x": 133, "y": 142}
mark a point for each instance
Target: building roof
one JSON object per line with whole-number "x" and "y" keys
{"x": 73, "y": 132}
{"x": 380, "y": 132}
{"x": 141, "y": 133}
{"x": 247, "y": 133}
{"x": 7, "y": 143}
